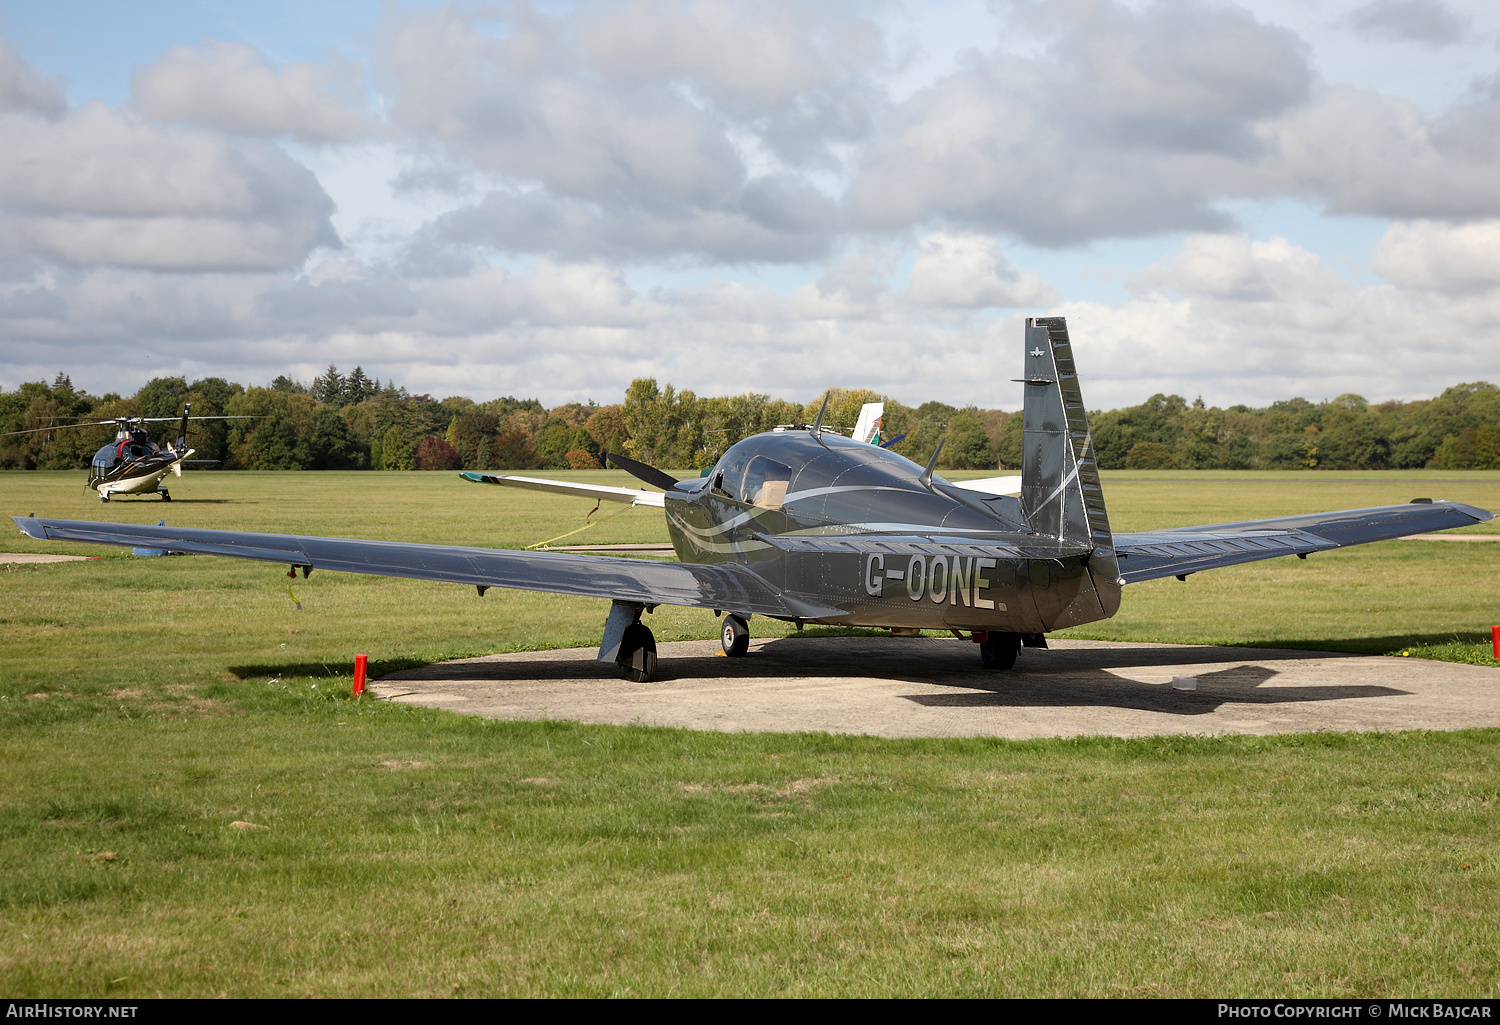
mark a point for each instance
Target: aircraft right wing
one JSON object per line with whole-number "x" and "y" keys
{"x": 1183, "y": 550}
{"x": 598, "y": 492}
{"x": 649, "y": 582}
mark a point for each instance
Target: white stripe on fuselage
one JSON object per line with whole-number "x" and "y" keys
{"x": 796, "y": 496}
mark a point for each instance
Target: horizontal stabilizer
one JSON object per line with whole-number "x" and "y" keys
{"x": 598, "y": 492}
{"x": 1166, "y": 553}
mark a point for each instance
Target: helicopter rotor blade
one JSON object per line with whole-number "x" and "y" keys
{"x": 58, "y": 427}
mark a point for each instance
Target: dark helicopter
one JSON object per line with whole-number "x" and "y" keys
{"x": 808, "y": 526}
{"x": 133, "y": 464}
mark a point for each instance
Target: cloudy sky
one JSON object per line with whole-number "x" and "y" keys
{"x": 1298, "y": 197}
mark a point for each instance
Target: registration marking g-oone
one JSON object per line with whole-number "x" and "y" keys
{"x": 954, "y": 579}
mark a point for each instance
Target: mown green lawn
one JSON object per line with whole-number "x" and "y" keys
{"x": 191, "y": 804}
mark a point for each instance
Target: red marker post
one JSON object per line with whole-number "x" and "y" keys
{"x": 361, "y": 661}
{"x": 1495, "y": 640}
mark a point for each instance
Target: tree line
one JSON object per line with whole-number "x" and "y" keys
{"x": 353, "y": 422}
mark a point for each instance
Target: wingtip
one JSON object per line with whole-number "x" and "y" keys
{"x": 31, "y": 527}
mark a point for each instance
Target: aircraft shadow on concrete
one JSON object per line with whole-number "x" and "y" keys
{"x": 1237, "y": 686}
{"x": 1041, "y": 679}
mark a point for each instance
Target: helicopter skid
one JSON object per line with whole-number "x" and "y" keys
{"x": 147, "y": 485}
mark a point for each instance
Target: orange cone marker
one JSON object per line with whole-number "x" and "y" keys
{"x": 360, "y": 662}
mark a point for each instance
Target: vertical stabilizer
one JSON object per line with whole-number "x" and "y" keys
{"x": 1060, "y": 491}
{"x": 867, "y": 429}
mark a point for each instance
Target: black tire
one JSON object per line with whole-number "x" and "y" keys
{"x": 165, "y": 496}
{"x": 998, "y": 651}
{"x": 637, "y": 657}
{"x": 103, "y": 499}
{"x": 735, "y": 637}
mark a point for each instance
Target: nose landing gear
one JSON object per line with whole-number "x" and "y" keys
{"x": 735, "y": 637}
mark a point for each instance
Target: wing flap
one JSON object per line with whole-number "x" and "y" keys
{"x": 649, "y": 582}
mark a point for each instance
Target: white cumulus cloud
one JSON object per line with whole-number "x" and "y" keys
{"x": 968, "y": 270}
{"x": 1439, "y": 257}
{"x": 231, "y": 87}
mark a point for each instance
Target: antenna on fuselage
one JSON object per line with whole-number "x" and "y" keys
{"x": 817, "y": 427}
{"x": 927, "y": 473}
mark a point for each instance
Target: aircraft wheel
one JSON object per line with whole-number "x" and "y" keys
{"x": 998, "y": 651}
{"x": 637, "y": 657}
{"x": 103, "y": 499}
{"x": 166, "y": 496}
{"x": 735, "y": 636}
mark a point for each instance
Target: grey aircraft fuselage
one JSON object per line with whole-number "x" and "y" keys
{"x": 793, "y": 484}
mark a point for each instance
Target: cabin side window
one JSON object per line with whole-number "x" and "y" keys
{"x": 105, "y": 457}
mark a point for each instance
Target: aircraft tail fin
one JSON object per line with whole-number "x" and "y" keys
{"x": 1060, "y": 491}
{"x": 867, "y": 429}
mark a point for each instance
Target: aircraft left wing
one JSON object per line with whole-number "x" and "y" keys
{"x": 1177, "y": 552}
{"x": 633, "y": 580}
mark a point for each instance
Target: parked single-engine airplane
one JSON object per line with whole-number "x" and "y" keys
{"x": 813, "y": 527}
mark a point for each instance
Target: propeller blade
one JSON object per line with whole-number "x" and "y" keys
{"x": 649, "y": 474}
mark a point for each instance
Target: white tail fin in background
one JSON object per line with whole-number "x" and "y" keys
{"x": 867, "y": 430}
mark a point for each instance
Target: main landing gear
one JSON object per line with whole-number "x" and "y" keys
{"x": 637, "y": 657}
{"x": 166, "y": 496}
{"x": 628, "y": 642}
{"x": 998, "y": 651}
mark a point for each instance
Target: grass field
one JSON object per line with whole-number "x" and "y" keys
{"x": 192, "y": 805}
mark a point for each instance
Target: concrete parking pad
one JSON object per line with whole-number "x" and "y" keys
{"x": 934, "y": 687}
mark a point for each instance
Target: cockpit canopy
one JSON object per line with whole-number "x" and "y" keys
{"x": 834, "y": 479}
{"x": 754, "y": 472}
{"x": 123, "y": 449}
